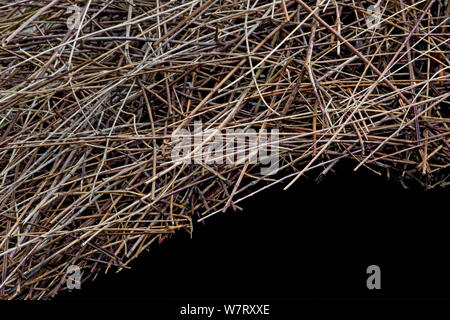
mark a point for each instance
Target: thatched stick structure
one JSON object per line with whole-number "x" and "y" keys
{"x": 92, "y": 93}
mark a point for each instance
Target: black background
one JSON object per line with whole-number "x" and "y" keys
{"x": 312, "y": 242}
{"x": 307, "y": 248}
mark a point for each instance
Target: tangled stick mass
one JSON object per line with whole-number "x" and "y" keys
{"x": 91, "y": 93}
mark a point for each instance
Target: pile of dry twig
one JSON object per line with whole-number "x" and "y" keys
{"x": 89, "y": 100}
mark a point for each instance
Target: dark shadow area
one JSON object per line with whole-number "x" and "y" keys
{"x": 314, "y": 241}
